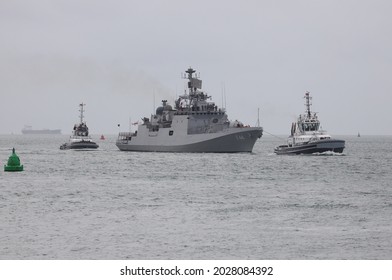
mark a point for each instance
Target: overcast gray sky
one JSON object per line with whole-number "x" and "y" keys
{"x": 116, "y": 55}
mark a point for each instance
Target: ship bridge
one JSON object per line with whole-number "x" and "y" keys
{"x": 309, "y": 125}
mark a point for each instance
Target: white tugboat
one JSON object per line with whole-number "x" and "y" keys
{"x": 307, "y": 137}
{"x": 194, "y": 125}
{"x": 80, "y": 138}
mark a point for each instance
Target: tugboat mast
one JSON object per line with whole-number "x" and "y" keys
{"x": 81, "y": 110}
{"x": 308, "y": 99}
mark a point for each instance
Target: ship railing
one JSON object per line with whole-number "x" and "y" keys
{"x": 80, "y": 137}
{"x": 125, "y": 136}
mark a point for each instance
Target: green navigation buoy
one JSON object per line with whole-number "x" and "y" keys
{"x": 13, "y": 163}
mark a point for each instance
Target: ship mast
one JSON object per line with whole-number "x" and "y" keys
{"x": 194, "y": 82}
{"x": 308, "y": 103}
{"x": 81, "y": 110}
{"x": 190, "y": 72}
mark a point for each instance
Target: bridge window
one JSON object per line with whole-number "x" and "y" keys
{"x": 310, "y": 126}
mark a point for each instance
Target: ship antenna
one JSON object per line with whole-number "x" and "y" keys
{"x": 222, "y": 96}
{"x": 190, "y": 72}
{"x": 308, "y": 103}
{"x": 258, "y": 117}
{"x": 224, "y": 92}
{"x": 153, "y": 96}
{"x": 81, "y": 111}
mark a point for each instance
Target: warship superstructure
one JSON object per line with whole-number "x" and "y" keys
{"x": 195, "y": 124}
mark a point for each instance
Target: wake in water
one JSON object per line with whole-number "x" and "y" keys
{"x": 328, "y": 153}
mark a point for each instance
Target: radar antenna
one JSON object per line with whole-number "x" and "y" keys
{"x": 194, "y": 81}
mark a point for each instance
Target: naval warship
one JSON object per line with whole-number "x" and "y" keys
{"x": 194, "y": 125}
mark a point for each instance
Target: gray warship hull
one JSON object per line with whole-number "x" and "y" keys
{"x": 231, "y": 140}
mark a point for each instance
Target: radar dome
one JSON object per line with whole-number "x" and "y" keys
{"x": 159, "y": 110}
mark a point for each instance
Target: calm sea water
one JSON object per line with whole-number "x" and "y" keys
{"x": 107, "y": 204}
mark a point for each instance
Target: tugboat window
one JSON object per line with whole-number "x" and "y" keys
{"x": 170, "y": 132}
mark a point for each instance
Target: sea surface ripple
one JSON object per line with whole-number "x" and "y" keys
{"x": 108, "y": 204}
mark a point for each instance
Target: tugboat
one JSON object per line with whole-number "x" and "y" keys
{"x": 80, "y": 138}
{"x": 194, "y": 125}
{"x": 307, "y": 137}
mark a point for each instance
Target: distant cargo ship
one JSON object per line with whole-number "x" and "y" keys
{"x": 29, "y": 130}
